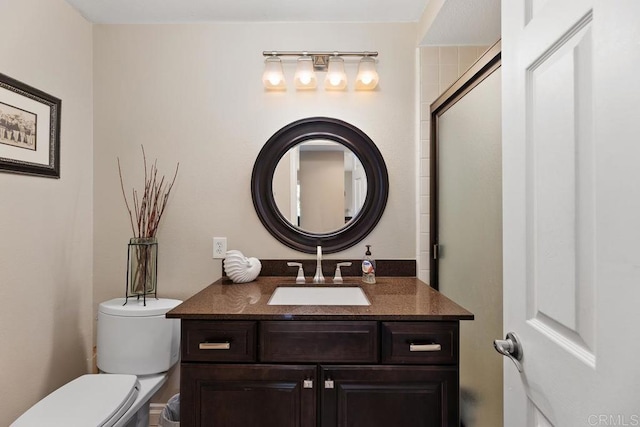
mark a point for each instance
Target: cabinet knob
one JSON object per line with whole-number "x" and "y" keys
{"x": 328, "y": 383}
{"x": 308, "y": 384}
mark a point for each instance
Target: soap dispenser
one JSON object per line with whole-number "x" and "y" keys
{"x": 368, "y": 267}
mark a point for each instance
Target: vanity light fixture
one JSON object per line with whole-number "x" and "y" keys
{"x": 367, "y": 78}
{"x": 308, "y": 63}
{"x": 305, "y": 77}
{"x": 336, "y": 78}
{"x": 273, "y": 76}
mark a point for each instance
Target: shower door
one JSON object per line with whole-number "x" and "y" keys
{"x": 468, "y": 233}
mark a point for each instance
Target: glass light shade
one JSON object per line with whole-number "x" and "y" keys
{"x": 273, "y": 76}
{"x": 336, "y": 78}
{"x": 305, "y": 77}
{"x": 367, "y": 78}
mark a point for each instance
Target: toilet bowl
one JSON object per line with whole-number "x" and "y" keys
{"x": 136, "y": 346}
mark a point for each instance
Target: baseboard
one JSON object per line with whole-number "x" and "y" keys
{"x": 155, "y": 409}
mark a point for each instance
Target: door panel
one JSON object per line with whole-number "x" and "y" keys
{"x": 571, "y": 203}
{"x": 560, "y": 223}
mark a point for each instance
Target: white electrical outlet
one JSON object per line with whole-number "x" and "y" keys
{"x": 219, "y": 247}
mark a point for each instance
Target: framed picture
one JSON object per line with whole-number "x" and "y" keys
{"x": 29, "y": 130}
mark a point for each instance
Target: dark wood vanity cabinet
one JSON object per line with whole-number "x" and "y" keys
{"x": 304, "y": 373}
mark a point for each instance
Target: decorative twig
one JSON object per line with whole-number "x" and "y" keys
{"x": 125, "y": 198}
{"x": 150, "y": 207}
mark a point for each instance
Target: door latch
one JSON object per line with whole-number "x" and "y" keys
{"x": 511, "y": 348}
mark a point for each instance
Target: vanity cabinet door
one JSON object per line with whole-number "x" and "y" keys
{"x": 383, "y": 396}
{"x": 248, "y": 395}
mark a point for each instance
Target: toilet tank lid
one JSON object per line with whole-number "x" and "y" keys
{"x": 89, "y": 400}
{"x": 136, "y": 308}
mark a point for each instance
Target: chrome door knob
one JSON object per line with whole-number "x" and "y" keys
{"x": 510, "y": 347}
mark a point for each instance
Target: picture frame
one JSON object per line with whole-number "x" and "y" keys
{"x": 29, "y": 130}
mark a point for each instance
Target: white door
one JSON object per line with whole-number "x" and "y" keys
{"x": 571, "y": 211}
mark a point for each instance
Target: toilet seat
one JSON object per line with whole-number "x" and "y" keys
{"x": 90, "y": 400}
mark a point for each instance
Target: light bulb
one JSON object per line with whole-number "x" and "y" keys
{"x": 274, "y": 79}
{"x": 305, "y": 79}
{"x": 367, "y": 78}
{"x": 336, "y": 78}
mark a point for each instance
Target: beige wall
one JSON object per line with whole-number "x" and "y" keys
{"x": 46, "y": 224}
{"x": 440, "y": 66}
{"x": 193, "y": 93}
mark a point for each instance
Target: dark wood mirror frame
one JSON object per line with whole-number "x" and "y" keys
{"x": 314, "y": 128}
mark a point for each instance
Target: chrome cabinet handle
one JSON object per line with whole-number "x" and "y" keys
{"x": 214, "y": 346}
{"x": 424, "y": 347}
{"x": 328, "y": 383}
{"x": 511, "y": 348}
{"x": 307, "y": 384}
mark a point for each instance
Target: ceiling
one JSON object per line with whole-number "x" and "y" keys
{"x": 175, "y": 11}
{"x": 458, "y": 22}
{"x": 465, "y": 22}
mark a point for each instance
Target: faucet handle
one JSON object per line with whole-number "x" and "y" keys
{"x": 300, "y": 278}
{"x": 338, "y": 275}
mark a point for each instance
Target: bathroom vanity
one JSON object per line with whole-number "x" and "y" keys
{"x": 391, "y": 363}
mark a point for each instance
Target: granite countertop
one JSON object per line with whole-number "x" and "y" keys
{"x": 392, "y": 298}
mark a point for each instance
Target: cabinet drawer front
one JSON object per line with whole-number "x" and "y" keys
{"x": 318, "y": 342}
{"x": 420, "y": 342}
{"x": 212, "y": 341}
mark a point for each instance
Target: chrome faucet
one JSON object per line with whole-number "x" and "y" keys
{"x": 300, "y": 278}
{"x": 318, "y": 278}
{"x": 337, "y": 278}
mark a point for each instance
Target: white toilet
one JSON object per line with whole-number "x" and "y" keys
{"x": 136, "y": 346}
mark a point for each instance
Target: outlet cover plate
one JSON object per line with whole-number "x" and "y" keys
{"x": 219, "y": 247}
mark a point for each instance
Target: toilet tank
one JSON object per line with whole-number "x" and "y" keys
{"x": 137, "y": 339}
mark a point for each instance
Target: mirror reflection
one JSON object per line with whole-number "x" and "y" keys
{"x": 319, "y": 186}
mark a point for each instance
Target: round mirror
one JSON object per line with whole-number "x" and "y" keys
{"x": 319, "y": 181}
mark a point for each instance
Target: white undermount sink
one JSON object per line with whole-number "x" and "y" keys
{"x": 320, "y": 295}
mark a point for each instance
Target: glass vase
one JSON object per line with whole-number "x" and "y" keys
{"x": 142, "y": 266}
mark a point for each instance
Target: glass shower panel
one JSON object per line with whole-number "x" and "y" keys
{"x": 470, "y": 238}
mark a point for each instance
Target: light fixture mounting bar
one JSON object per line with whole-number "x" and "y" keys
{"x": 320, "y": 58}
{"x": 314, "y": 53}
